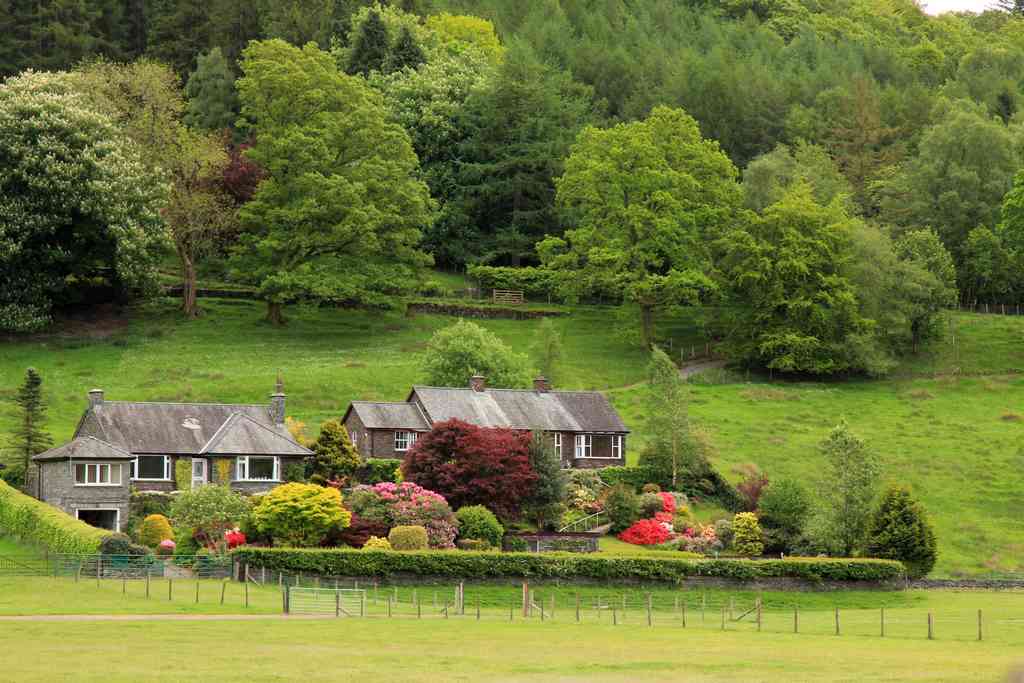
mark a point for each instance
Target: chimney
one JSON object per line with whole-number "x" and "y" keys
{"x": 478, "y": 383}
{"x": 541, "y": 384}
{"x": 95, "y": 398}
{"x": 277, "y": 402}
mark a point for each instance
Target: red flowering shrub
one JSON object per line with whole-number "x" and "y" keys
{"x": 357, "y": 532}
{"x": 471, "y": 465}
{"x": 668, "y": 502}
{"x": 646, "y": 532}
{"x": 234, "y": 538}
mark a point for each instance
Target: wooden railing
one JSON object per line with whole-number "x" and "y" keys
{"x": 507, "y": 296}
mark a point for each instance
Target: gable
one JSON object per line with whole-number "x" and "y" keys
{"x": 242, "y": 435}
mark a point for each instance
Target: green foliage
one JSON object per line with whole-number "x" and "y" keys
{"x": 532, "y": 281}
{"x": 299, "y": 21}
{"x": 768, "y": 177}
{"x": 408, "y": 538}
{"x": 377, "y": 470}
{"x": 87, "y": 205}
{"x": 783, "y": 509}
{"x": 142, "y": 504}
{"x": 900, "y": 530}
{"x": 154, "y": 529}
{"x": 747, "y": 539}
{"x": 406, "y": 53}
{"x": 210, "y": 90}
{"x": 300, "y": 515}
{"x": 335, "y": 456}
{"x": 478, "y": 523}
{"x": 545, "y": 504}
{"x": 371, "y": 49}
{"x": 464, "y": 349}
{"x": 120, "y": 544}
{"x": 671, "y": 447}
{"x": 377, "y": 543}
{"x": 547, "y": 350}
{"x": 482, "y": 565}
{"x": 43, "y": 525}
{"x": 650, "y": 503}
{"x": 295, "y": 472}
{"x": 183, "y": 474}
{"x": 207, "y": 512}
{"x": 987, "y": 268}
{"x": 29, "y": 436}
{"x": 622, "y": 506}
{"x": 848, "y": 490}
{"x": 346, "y": 227}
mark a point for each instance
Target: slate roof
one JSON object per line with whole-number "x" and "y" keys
{"x": 84, "y": 448}
{"x": 388, "y": 415}
{"x": 564, "y": 411}
{"x": 188, "y": 428}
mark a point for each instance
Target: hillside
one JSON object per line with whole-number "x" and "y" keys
{"x": 953, "y": 437}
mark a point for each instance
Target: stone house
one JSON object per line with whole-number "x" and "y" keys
{"x": 585, "y": 429}
{"x": 123, "y": 445}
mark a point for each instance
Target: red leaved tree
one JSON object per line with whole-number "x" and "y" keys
{"x": 471, "y": 465}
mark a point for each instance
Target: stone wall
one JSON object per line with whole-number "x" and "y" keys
{"x": 57, "y": 488}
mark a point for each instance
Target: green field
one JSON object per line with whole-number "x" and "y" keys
{"x": 949, "y": 423}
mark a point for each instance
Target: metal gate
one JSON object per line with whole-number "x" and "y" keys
{"x": 339, "y": 602}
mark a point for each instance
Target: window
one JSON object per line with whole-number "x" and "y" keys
{"x": 558, "y": 444}
{"x": 97, "y": 474}
{"x": 151, "y": 468}
{"x": 404, "y": 440}
{"x": 584, "y": 445}
{"x": 616, "y": 445}
{"x": 257, "y": 468}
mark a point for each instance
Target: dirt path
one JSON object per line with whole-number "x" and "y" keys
{"x": 160, "y": 617}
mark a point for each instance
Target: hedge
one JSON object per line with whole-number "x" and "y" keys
{"x": 377, "y": 470}
{"x": 712, "y": 484}
{"x": 530, "y": 280}
{"x": 44, "y": 525}
{"x": 483, "y": 565}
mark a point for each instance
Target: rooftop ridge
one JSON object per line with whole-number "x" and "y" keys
{"x": 184, "y": 403}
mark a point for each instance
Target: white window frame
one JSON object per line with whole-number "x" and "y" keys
{"x": 584, "y": 445}
{"x": 99, "y": 470}
{"x": 409, "y": 439}
{"x": 617, "y": 446}
{"x": 558, "y": 444}
{"x": 117, "y": 515}
{"x": 133, "y": 468}
{"x": 242, "y": 468}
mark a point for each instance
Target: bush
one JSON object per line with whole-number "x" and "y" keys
{"x": 650, "y": 488}
{"x": 472, "y": 544}
{"x": 166, "y": 548}
{"x": 634, "y": 477}
{"x": 723, "y": 531}
{"x": 377, "y": 543}
{"x": 408, "y": 538}
{"x": 900, "y": 530}
{"x": 295, "y": 472}
{"x": 650, "y": 504}
{"x": 208, "y": 512}
{"x": 154, "y": 529}
{"x": 358, "y": 532}
{"x": 646, "y": 532}
{"x": 406, "y": 504}
{"x": 532, "y": 281}
{"x": 746, "y": 535}
{"x": 751, "y": 485}
{"x": 515, "y": 544}
{"x": 623, "y": 507}
{"x": 185, "y": 542}
{"x": 784, "y": 508}
{"x": 561, "y": 566}
{"x": 377, "y": 470}
{"x": 43, "y": 525}
{"x": 121, "y": 544}
{"x": 478, "y": 523}
{"x": 300, "y": 514}
{"x": 142, "y": 504}
{"x": 335, "y": 457}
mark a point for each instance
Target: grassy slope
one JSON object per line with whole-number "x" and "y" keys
{"x": 954, "y": 437}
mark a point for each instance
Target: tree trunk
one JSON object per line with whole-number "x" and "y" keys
{"x": 188, "y": 287}
{"x": 274, "y": 314}
{"x": 647, "y": 325}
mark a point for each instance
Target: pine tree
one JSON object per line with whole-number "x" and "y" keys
{"x": 212, "y": 100}
{"x": 335, "y": 457}
{"x": 900, "y": 530}
{"x": 179, "y": 31}
{"x": 370, "y": 52}
{"x": 406, "y": 53}
{"x": 29, "y": 435}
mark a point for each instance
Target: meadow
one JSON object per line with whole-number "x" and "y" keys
{"x": 948, "y": 423}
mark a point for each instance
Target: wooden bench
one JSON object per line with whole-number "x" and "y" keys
{"x": 513, "y": 297}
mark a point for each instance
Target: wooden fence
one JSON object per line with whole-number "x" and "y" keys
{"x": 513, "y": 297}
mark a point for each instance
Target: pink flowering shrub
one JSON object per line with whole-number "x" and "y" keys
{"x": 668, "y": 502}
{"x": 166, "y": 548}
{"x": 407, "y": 504}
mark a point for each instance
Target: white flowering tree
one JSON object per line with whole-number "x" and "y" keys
{"x": 75, "y": 200}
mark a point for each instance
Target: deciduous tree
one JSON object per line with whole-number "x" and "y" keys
{"x": 848, "y": 490}
{"x": 458, "y": 352}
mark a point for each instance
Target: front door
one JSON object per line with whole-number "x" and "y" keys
{"x": 198, "y": 472}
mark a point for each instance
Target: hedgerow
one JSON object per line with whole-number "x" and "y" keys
{"x": 482, "y": 565}
{"x": 44, "y": 525}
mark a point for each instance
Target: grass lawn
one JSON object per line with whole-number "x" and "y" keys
{"x": 949, "y": 423}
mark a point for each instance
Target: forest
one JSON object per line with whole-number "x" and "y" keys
{"x": 823, "y": 177}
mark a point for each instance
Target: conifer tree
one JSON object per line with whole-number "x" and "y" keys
{"x": 406, "y": 53}
{"x": 335, "y": 455}
{"x": 371, "y": 50}
{"x": 30, "y": 436}
{"x": 900, "y": 530}
{"x": 212, "y": 101}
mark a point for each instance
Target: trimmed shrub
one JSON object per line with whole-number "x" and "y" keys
{"x": 646, "y": 532}
{"x": 515, "y": 544}
{"x": 746, "y": 535}
{"x": 406, "y": 504}
{"x": 650, "y": 488}
{"x": 532, "y": 281}
{"x": 378, "y": 470}
{"x": 121, "y": 544}
{"x": 650, "y": 505}
{"x": 623, "y": 507}
{"x": 472, "y": 544}
{"x": 166, "y": 548}
{"x": 300, "y": 514}
{"x": 483, "y": 565}
{"x": 358, "y": 532}
{"x": 634, "y": 477}
{"x": 377, "y": 543}
{"x": 900, "y": 530}
{"x": 478, "y": 523}
{"x": 723, "y": 531}
{"x": 408, "y": 538}
{"x": 153, "y": 530}
{"x": 142, "y": 504}
{"x": 44, "y": 525}
{"x": 185, "y": 542}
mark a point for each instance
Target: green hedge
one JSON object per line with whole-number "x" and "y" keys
{"x": 481, "y": 565}
{"x": 377, "y": 470}
{"x": 531, "y": 280}
{"x": 711, "y": 484}
{"x": 44, "y": 525}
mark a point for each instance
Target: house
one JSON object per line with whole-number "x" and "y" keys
{"x": 585, "y": 429}
{"x": 123, "y": 445}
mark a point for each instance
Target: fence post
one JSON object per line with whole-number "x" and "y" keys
{"x": 478, "y": 608}
{"x": 224, "y": 586}
{"x": 684, "y": 613}
{"x": 511, "y": 609}
{"x": 147, "y": 583}
{"x": 287, "y": 599}
{"x": 650, "y": 621}
{"x": 930, "y": 634}
{"x": 99, "y": 569}
{"x": 389, "y": 607}
{"x": 577, "y": 608}
{"x": 732, "y": 608}
{"x": 615, "y": 617}
{"x": 445, "y": 609}
{"x": 796, "y": 619}
{"x": 170, "y": 583}
{"x": 723, "y": 617}
{"x": 979, "y": 625}
{"x": 337, "y": 604}
{"x": 124, "y": 584}
{"x": 883, "y": 622}
{"x": 419, "y": 615}
{"x": 197, "y": 591}
{"x": 837, "y": 621}
{"x": 526, "y": 599}
{"x": 247, "y": 593}
{"x": 759, "y": 614}
{"x": 703, "y": 605}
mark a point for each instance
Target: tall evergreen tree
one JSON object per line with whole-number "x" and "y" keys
{"x": 544, "y": 506}
{"x": 30, "y": 436}
{"x": 233, "y": 23}
{"x": 371, "y": 49}
{"x": 406, "y": 52}
{"x": 179, "y": 31}
{"x": 212, "y": 101}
